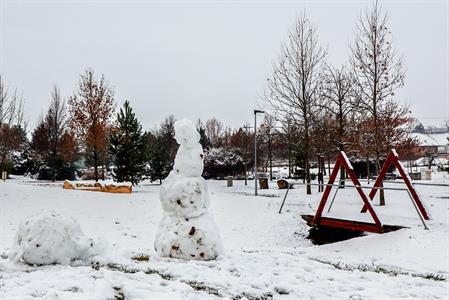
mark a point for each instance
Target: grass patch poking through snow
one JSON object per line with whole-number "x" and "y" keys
{"x": 141, "y": 257}
{"x": 381, "y": 269}
{"x": 118, "y": 293}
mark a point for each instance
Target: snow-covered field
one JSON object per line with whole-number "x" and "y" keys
{"x": 267, "y": 255}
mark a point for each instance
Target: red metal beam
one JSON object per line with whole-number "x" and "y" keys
{"x": 350, "y": 225}
{"x": 356, "y": 182}
{"x": 328, "y": 189}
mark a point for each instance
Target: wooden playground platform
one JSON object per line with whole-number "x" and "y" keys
{"x": 350, "y": 225}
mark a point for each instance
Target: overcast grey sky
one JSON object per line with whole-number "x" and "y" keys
{"x": 203, "y": 59}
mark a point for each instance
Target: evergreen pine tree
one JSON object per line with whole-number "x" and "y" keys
{"x": 162, "y": 150}
{"x": 128, "y": 147}
{"x": 204, "y": 140}
{"x": 159, "y": 158}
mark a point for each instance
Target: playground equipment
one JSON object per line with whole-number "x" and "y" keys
{"x": 342, "y": 161}
{"x": 393, "y": 158}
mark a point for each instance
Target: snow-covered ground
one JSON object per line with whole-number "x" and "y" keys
{"x": 267, "y": 255}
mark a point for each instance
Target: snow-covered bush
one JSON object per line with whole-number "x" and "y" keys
{"x": 50, "y": 238}
{"x": 221, "y": 162}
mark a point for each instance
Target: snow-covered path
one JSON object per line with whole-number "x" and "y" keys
{"x": 267, "y": 254}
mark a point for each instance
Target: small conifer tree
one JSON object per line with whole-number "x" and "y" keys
{"x": 128, "y": 147}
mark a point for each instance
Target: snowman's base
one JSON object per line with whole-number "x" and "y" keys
{"x": 188, "y": 238}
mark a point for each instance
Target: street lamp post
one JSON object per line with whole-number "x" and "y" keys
{"x": 255, "y": 149}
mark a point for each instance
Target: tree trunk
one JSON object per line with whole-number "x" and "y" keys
{"x": 307, "y": 161}
{"x": 96, "y": 163}
{"x": 53, "y": 161}
{"x": 271, "y": 160}
{"x": 342, "y": 178}
{"x": 381, "y": 192}
{"x": 2, "y": 161}
{"x": 246, "y": 173}
{"x": 289, "y": 161}
{"x": 341, "y": 147}
{"x": 368, "y": 175}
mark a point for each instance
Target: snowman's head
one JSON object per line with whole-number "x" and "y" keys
{"x": 186, "y": 133}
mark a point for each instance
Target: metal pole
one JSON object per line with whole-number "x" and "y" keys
{"x": 255, "y": 153}
{"x": 255, "y": 149}
{"x": 289, "y": 186}
{"x": 245, "y": 155}
{"x": 333, "y": 199}
{"x": 417, "y": 210}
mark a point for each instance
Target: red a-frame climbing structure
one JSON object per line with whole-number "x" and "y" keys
{"x": 393, "y": 158}
{"x": 342, "y": 160}
{"x": 377, "y": 227}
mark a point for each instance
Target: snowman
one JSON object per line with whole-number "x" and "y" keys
{"x": 187, "y": 230}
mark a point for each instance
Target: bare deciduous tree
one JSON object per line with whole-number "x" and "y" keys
{"x": 378, "y": 71}
{"x": 214, "y": 131}
{"x": 267, "y": 131}
{"x": 12, "y": 127}
{"x": 56, "y": 120}
{"x": 293, "y": 88}
{"x": 336, "y": 100}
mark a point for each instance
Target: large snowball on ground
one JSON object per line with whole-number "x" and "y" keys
{"x": 188, "y": 238}
{"x": 50, "y": 238}
{"x": 184, "y": 196}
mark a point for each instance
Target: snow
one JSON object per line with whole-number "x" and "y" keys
{"x": 267, "y": 254}
{"x": 424, "y": 161}
{"x": 100, "y": 183}
{"x": 49, "y": 238}
{"x": 348, "y": 163}
{"x": 394, "y": 153}
{"x": 433, "y": 139}
{"x": 187, "y": 231}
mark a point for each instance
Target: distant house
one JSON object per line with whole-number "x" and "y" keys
{"x": 433, "y": 143}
